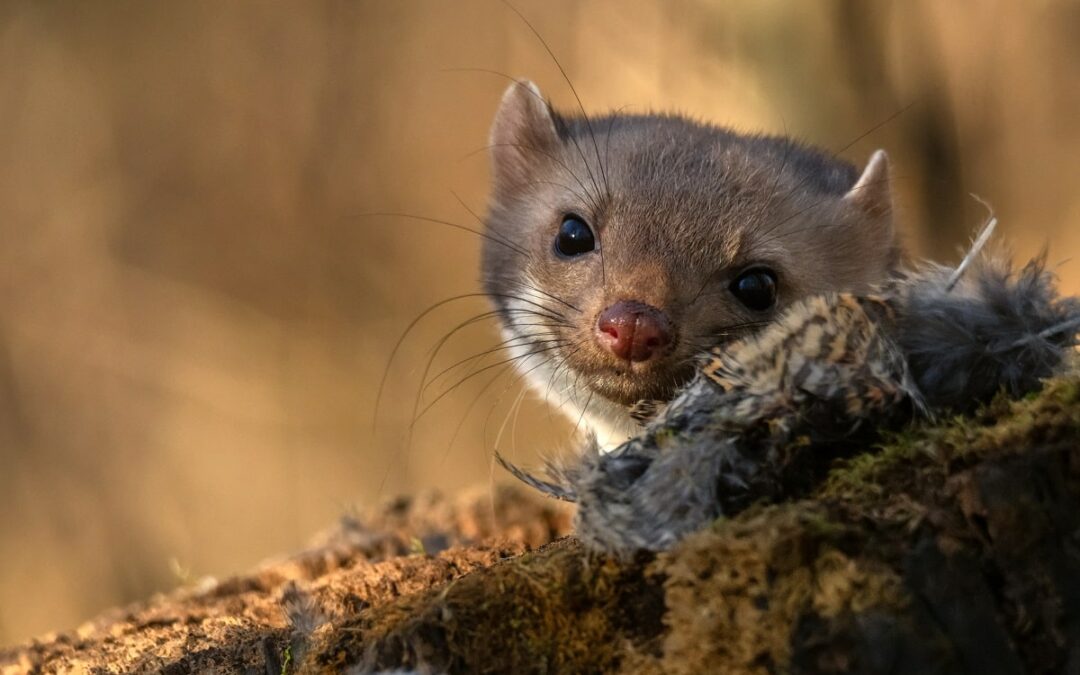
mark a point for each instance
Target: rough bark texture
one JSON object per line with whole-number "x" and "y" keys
{"x": 954, "y": 548}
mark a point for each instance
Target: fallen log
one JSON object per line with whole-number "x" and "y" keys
{"x": 954, "y": 547}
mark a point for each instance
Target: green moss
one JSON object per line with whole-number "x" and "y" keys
{"x": 286, "y": 660}
{"x": 1004, "y": 426}
{"x": 735, "y": 591}
{"x": 1007, "y": 427}
{"x": 554, "y": 610}
{"x": 860, "y": 476}
{"x": 734, "y": 597}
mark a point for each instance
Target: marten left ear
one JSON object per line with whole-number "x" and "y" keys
{"x": 523, "y": 134}
{"x": 872, "y": 193}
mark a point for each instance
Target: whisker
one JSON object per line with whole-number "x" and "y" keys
{"x": 480, "y": 220}
{"x": 521, "y": 376}
{"x": 505, "y": 344}
{"x": 777, "y": 175}
{"x": 447, "y": 223}
{"x": 584, "y": 409}
{"x": 570, "y": 84}
{"x": 607, "y": 135}
{"x": 476, "y": 399}
{"x": 469, "y": 409}
{"x": 874, "y": 128}
{"x": 513, "y": 425}
{"x": 506, "y": 418}
{"x": 576, "y": 347}
{"x": 416, "y": 416}
{"x": 605, "y": 194}
{"x": 434, "y": 352}
{"x": 721, "y": 330}
{"x": 551, "y": 313}
{"x": 401, "y": 340}
{"x": 816, "y": 205}
{"x": 588, "y": 197}
{"x": 428, "y": 407}
{"x": 547, "y": 390}
{"x": 534, "y": 289}
{"x": 836, "y": 153}
{"x": 380, "y": 391}
{"x": 561, "y": 185}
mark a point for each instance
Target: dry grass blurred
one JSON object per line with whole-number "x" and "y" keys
{"x": 193, "y": 319}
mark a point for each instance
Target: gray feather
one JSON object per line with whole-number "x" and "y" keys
{"x": 996, "y": 330}
{"x": 939, "y": 338}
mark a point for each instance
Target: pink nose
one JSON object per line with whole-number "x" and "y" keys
{"x": 633, "y": 331}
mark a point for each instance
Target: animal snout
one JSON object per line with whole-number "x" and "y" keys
{"x": 633, "y": 331}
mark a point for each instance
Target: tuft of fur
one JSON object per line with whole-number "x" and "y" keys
{"x": 831, "y": 372}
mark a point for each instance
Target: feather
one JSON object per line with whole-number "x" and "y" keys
{"x": 832, "y": 367}
{"x": 558, "y": 490}
{"x": 996, "y": 330}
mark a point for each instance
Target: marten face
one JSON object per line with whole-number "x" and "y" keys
{"x": 621, "y": 247}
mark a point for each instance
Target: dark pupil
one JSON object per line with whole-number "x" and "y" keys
{"x": 756, "y": 289}
{"x": 574, "y": 238}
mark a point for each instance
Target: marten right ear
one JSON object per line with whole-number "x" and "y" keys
{"x": 871, "y": 196}
{"x": 523, "y": 133}
{"x": 872, "y": 193}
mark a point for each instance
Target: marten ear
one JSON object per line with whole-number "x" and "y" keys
{"x": 523, "y": 133}
{"x": 871, "y": 198}
{"x": 872, "y": 193}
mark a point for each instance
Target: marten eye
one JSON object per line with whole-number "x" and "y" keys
{"x": 755, "y": 288}
{"x": 574, "y": 238}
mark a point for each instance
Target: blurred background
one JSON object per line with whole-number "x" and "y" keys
{"x": 195, "y": 315}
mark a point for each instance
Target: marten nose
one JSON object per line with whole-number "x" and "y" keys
{"x": 633, "y": 331}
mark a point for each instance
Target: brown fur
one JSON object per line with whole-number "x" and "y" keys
{"x": 679, "y": 209}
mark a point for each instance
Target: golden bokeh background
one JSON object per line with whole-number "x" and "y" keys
{"x": 195, "y": 313}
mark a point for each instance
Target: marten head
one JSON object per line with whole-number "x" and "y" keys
{"x": 620, "y": 247}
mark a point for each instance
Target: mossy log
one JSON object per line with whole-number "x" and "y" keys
{"x": 954, "y": 547}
